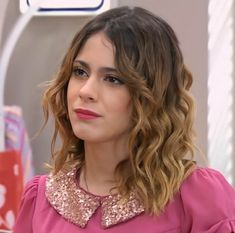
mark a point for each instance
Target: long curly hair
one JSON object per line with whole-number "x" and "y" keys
{"x": 161, "y": 144}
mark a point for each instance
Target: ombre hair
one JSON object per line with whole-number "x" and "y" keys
{"x": 161, "y": 147}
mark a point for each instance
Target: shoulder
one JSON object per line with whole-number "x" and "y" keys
{"x": 208, "y": 200}
{"x": 28, "y": 203}
{"x": 209, "y": 180}
{"x": 208, "y": 186}
{"x": 31, "y": 191}
{"x": 32, "y": 186}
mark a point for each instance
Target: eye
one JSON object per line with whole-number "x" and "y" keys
{"x": 113, "y": 80}
{"x": 79, "y": 71}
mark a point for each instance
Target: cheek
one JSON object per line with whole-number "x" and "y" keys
{"x": 129, "y": 110}
{"x": 125, "y": 103}
{"x": 71, "y": 92}
{"x": 124, "y": 107}
{"x": 71, "y": 98}
{"x": 68, "y": 92}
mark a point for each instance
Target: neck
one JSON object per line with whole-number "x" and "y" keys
{"x": 98, "y": 175}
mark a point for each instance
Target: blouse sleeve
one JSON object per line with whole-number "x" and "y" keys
{"x": 208, "y": 203}
{"x": 25, "y": 216}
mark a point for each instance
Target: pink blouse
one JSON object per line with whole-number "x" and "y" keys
{"x": 204, "y": 204}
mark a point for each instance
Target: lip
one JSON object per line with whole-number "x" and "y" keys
{"x": 86, "y": 114}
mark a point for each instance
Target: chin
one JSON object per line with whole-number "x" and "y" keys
{"x": 92, "y": 138}
{"x": 87, "y": 137}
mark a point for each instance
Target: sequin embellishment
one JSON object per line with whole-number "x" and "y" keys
{"x": 78, "y": 206}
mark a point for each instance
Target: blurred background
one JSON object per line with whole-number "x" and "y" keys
{"x": 205, "y": 30}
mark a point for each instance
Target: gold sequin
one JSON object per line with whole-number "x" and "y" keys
{"x": 115, "y": 211}
{"x": 77, "y": 206}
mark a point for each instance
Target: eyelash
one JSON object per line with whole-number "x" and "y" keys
{"x": 113, "y": 79}
{"x": 80, "y": 72}
{"x": 77, "y": 71}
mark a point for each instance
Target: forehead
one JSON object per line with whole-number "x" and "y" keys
{"x": 97, "y": 50}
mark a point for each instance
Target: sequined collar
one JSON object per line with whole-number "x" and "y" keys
{"x": 78, "y": 206}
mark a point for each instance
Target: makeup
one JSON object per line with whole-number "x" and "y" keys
{"x": 86, "y": 114}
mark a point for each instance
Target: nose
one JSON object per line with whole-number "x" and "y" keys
{"x": 89, "y": 89}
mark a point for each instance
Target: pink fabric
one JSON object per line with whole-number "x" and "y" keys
{"x": 205, "y": 204}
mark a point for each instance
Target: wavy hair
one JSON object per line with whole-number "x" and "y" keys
{"x": 147, "y": 54}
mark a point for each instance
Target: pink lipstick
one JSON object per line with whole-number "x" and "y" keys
{"x": 86, "y": 114}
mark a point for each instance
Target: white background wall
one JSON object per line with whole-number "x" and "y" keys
{"x": 43, "y": 43}
{"x": 3, "y": 5}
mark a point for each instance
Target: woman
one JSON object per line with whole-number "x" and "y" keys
{"x": 124, "y": 114}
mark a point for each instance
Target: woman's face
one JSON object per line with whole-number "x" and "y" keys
{"x": 99, "y": 103}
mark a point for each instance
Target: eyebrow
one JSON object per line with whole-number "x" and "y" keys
{"x": 86, "y": 65}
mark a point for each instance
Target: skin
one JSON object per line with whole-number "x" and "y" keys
{"x": 94, "y": 85}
